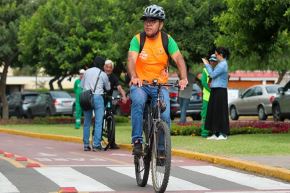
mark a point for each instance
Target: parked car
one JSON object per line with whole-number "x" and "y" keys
{"x": 281, "y": 104}
{"x": 194, "y": 106}
{"x": 256, "y": 100}
{"x": 19, "y": 101}
{"x": 121, "y": 108}
{"x": 42, "y": 106}
{"x": 62, "y": 101}
{"x": 232, "y": 95}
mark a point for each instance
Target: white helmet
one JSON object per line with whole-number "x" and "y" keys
{"x": 153, "y": 11}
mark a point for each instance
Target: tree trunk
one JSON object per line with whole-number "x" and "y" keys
{"x": 59, "y": 82}
{"x": 51, "y": 82}
{"x": 281, "y": 75}
{"x": 5, "y": 113}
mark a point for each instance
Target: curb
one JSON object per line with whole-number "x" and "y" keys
{"x": 265, "y": 170}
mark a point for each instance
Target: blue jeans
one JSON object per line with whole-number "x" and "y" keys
{"x": 183, "y": 102}
{"x": 139, "y": 97}
{"x": 99, "y": 115}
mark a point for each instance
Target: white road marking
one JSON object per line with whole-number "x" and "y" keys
{"x": 6, "y": 186}
{"x": 174, "y": 184}
{"x": 68, "y": 177}
{"x": 259, "y": 183}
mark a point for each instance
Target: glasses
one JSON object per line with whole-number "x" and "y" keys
{"x": 150, "y": 21}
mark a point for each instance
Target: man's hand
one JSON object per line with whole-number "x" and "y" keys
{"x": 204, "y": 60}
{"x": 135, "y": 81}
{"x": 182, "y": 83}
{"x": 124, "y": 99}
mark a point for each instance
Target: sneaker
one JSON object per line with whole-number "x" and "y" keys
{"x": 213, "y": 137}
{"x": 222, "y": 137}
{"x": 137, "y": 149}
{"x": 87, "y": 148}
{"x": 99, "y": 148}
{"x": 114, "y": 146}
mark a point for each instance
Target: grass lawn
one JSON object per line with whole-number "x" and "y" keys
{"x": 254, "y": 144}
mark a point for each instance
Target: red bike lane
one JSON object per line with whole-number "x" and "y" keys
{"x": 58, "y": 153}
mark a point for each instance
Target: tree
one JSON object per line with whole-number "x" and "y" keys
{"x": 257, "y": 32}
{"x": 11, "y": 12}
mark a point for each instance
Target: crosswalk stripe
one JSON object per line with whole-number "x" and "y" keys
{"x": 175, "y": 184}
{"x": 68, "y": 177}
{"x": 256, "y": 182}
{"x": 6, "y": 186}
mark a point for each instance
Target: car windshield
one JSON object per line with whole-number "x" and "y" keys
{"x": 272, "y": 89}
{"x": 29, "y": 98}
{"x": 60, "y": 95}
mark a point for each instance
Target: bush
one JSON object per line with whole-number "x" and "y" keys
{"x": 237, "y": 127}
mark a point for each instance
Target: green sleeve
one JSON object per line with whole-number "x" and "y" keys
{"x": 204, "y": 82}
{"x": 172, "y": 46}
{"x": 134, "y": 45}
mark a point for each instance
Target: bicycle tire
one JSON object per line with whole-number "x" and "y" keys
{"x": 142, "y": 163}
{"x": 160, "y": 166}
{"x": 108, "y": 126}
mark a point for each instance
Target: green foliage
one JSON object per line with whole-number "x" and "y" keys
{"x": 257, "y": 33}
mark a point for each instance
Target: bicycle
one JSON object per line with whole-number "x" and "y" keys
{"x": 156, "y": 153}
{"x": 109, "y": 125}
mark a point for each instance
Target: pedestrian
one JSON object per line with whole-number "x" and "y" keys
{"x": 184, "y": 97}
{"x": 147, "y": 63}
{"x": 205, "y": 79}
{"x": 95, "y": 79}
{"x": 114, "y": 81}
{"x": 217, "y": 118}
{"x": 78, "y": 90}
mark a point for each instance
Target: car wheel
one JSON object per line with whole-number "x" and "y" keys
{"x": 196, "y": 117}
{"x": 233, "y": 113}
{"x": 277, "y": 113}
{"x": 74, "y": 111}
{"x": 261, "y": 113}
{"x": 18, "y": 113}
{"x": 47, "y": 112}
{"x": 29, "y": 114}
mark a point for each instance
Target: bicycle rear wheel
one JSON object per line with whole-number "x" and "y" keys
{"x": 107, "y": 132}
{"x": 161, "y": 158}
{"x": 142, "y": 163}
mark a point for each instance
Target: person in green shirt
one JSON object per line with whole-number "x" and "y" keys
{"x": 78, "y": 90}
{"x": 205, "y": 81}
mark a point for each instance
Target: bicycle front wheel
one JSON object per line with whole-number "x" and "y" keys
{"x": 142, "y": 162}
{"x": 161, "y": 158}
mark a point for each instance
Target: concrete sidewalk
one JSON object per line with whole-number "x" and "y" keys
{"x": 275, "y": 166}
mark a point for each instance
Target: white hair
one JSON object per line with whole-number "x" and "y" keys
{"x": 109, "y": 62}
{"x": 82, "y": 71}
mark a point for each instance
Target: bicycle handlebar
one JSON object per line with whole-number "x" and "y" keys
{"x": 155, "y": 83}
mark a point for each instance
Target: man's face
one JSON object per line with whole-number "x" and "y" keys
{"x": 152, "y": 26}
{"x": 108, "y": 68}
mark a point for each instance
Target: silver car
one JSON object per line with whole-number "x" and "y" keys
{"x": 281, "y": 104}
{"x": 63, "y": 102}
{"x": 256, "y": 100}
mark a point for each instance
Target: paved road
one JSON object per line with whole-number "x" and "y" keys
{"x": 64, "y": 164}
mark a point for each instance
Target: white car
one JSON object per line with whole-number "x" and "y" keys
{"x": 256, "y": 100}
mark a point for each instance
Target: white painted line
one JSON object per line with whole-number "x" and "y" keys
{"x": 174, "y": 184}
{"x": 259, "y": 183}
{"x": 6, "y": 186}
{"x": 68, "y": 177}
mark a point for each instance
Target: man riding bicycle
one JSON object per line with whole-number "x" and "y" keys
{"x": 148, "y": 63}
